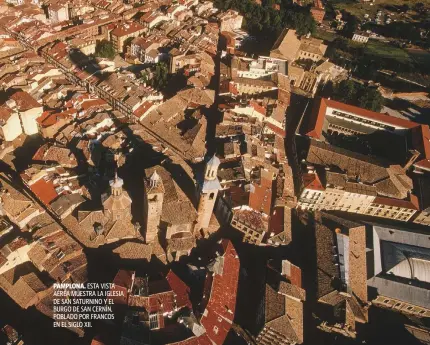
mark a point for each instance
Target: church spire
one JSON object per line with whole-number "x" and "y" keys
{"x": 154, "y": 179}
{"x": 212, "y": 168}
{"x": 116, "y": 185}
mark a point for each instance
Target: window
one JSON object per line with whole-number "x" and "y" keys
{"x": 153, "y": 321}
{"x": 60, "y": 255}
{"x": 211, "y": 196}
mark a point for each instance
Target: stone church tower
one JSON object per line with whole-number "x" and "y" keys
{"x": 153, "y": 205}
{"x": 207, "y": 193}
{"x": 117, "y": 205}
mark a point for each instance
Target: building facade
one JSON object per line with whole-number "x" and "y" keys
{"x": 124, "y": 31}
{"x": 339, "y": 194}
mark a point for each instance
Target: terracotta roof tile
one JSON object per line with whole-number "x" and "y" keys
{"x": 220, "y": 310}
{"x": 421, "y": 139}
{"x": 161, "y": 302}
{"x": 44, "y": 190}
{"x": 312, "y": 181}
{"x": 276, "y": 223}
{"x": 134, "y": 250}
{"x": 409, "y": 204}
{"x": 126, "y": 29}
{"x": 49, "y": 118}
{"x": 180, "y": 289}
{"x": 142, "y": 109}
{"x": 367, "y": 168}
{"x": 274, "y": 304}
{"x": 260, "y": 198}
{"x": 423, "y": 164}
{"x": 5, "y": 113}
{"x": 123, "y": 278}
{"x": 317, "y": 116}
{"x": 24, "y": 101}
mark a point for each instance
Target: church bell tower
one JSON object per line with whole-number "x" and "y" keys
{"x": 208, "y": 191}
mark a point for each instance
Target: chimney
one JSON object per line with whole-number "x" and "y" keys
{"x": 11, "y": 103}
{"x": 412, "y": 159}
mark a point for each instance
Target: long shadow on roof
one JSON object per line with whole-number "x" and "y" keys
{"x": 87, "y": 64}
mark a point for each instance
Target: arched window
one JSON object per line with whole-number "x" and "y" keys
{"x": 211, "y": 196}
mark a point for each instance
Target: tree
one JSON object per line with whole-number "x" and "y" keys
{"x": 144, "y": 77}
{"x": 370, "y": 98}
{"x": 350, "y": 92}
{"x": 350, "y": 26}
{"x": 265, "y": 22}
{"x": 404, "y": 8}
{"x": 304, "y": 23}
{"x": 105, "y": 49}
{"x": 340, "y": 43}
{"x": 345, "y": 91}
{"x": 419, "y": 7}
{"x": 159, "y": 79}
{"x": 403, "y": 30}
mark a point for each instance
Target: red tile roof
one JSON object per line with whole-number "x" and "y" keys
{"x": 40, "y": 153}
{"x": 238, "y": 196}
{"x": 5, "y": 113}
{"x": 92, "y": 103}
{"x": 48, "y": 118}
{"x": 216, "y": 327}
{"x": 160, "y": 302}
{"x": 312, "y": 181}
{"x": 17, "y": 243}
{"x": 96, "y": 341}
{"x": 127, "y": 29}
{"x": 219, "y": 313}
{"x": 276, "y": 224}
{"x": 316, "y": 120}
{"x": 277, "y": 130}
{"x": 142, "y": 109}
{"x": 44, "y": 190}
{"x": 295, "y": 276}
{"x": 261, "y": 198}
{"x": 232, "y": 88}
{"x": 24, "y": 101}
{"x": 44, "y": 115}
{"x": 412, "y": 204}
{"x": 258, "y": 107}
{"x": 421, "y": 139}
{"x": 253, "y": 219}
{"x": 423, "y": 164}
{"x": 124, "y": 278}
{"x": 420, "y": 133}
{"x": 181, "y": 290}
